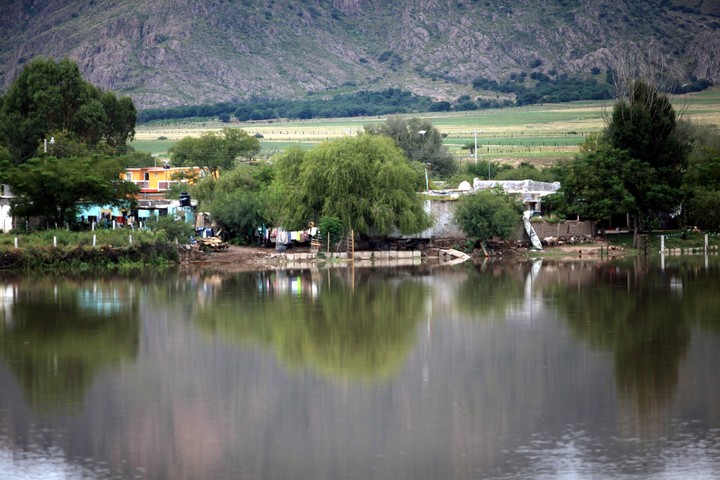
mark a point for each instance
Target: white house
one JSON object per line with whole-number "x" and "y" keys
{"x": 6, "y": 223}
{"x": 529, "y": 191}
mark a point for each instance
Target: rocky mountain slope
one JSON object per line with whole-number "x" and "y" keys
{"x": 173, "y": 52}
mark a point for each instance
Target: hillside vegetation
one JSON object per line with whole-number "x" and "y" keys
{"x": 186, "y": 52}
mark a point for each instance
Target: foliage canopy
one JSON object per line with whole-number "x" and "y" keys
{"x": 51, "y": 187}
{"x": 420, "y": 141}
{"x": 50, "y": 98}
{"x": 636, "y": 166}
{"x": 488, "y": 213}
{"x": 213, "y": 151}
{"x": 364, "y": 181}
{"x": 239, "y": 199}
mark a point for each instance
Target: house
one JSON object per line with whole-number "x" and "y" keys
{"x": 530, "y": 192}
{"x": 6, "y": 221}
{"x": 156, "y": 181}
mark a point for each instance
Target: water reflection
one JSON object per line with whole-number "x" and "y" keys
{"x": 57, "y": 334}
{"x": 338, "y": 324}
{"x": 528, "y": 370}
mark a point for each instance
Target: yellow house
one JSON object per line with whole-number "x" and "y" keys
{"x": 159, "y": 179}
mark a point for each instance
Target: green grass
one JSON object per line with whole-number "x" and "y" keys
{"x": 542, "y": 132}
{"x": 156, "y": 147}
{"x": 64, "y": 238}
{"x": 673, "y": 239}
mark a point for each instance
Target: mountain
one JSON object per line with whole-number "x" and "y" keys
{"x": 177, "y": 52}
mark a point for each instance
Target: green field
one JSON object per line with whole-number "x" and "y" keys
{"x": 540, "y": 134}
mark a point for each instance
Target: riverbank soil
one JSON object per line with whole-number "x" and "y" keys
{"x": 237, "y": 258}
{"x": 259, "y": 258}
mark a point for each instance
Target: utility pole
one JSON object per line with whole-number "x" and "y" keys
{"x": 476, "y": 148}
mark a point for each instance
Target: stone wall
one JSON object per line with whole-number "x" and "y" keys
{"x": 568, "y": 228}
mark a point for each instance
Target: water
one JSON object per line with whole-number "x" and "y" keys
{"x": 544, "y": 370}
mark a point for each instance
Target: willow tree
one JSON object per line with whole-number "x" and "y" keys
{"x": 365, "y": 181}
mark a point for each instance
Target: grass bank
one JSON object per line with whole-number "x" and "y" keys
{"x": 61, "y": 251}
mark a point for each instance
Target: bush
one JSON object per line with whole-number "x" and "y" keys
{"x": 487, "y": 214}
{"x": 169, "y": 228}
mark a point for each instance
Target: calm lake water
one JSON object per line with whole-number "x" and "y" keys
{"x": 538, "y": 370}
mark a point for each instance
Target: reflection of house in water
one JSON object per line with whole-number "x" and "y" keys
{"x": 8, "y": 294}
{"x": 293, "y": 282}
{"x": 104, "y": 301}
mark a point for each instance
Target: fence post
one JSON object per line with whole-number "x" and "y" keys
{"x": 94, "y": 240}
{"x": 54, "y": 242}
{"x": 16, "y": 244}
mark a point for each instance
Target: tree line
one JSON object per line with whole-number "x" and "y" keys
{"x": 648, "y": 163}
{"x": 537, "y": 87}
{"x": 63, "y": 139}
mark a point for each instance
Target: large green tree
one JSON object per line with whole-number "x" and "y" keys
{"x": 50, "y": 187}
{"x": 239, "y": 199}
{"x": 420, "y": 141}
{"x": 50, "y": 97}
{"x": 595, "y": 183}
{"x": 364, "y": 181}
{"x": 644, "y": 124}
{"x": 702, "y": 180}
{"x": 635, "y": 165}
{"x": 215, "y": 151}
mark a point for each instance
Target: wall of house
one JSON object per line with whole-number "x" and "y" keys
{"x": 445, "y": 226}
{"x": 5, "y": 218}
{"x": 568, "y": 228}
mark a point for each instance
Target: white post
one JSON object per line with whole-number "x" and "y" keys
{"x": 706, "y": 243}
{"x": 476, "y": 147}
{"x": 55, "y": 242}
{"x": 130, "y": 239}
{"x": 93, "y": 225}
{"x": 662, "y": 243}
{"x": 113, "y": 224}
{"x": 662, "y": 260}
{"x": 15, "y": 242}
{"x": 94, "y": 240}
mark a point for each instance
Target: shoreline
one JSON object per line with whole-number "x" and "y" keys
{"x": 243, "y": 258}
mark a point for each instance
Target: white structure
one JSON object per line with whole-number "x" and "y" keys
{"x": 530, "y": 191}
{"x": 6, "y": 223}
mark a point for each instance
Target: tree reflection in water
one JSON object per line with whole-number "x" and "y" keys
{"x": 360, "y": 326}
{"x": 58, "y": 334}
